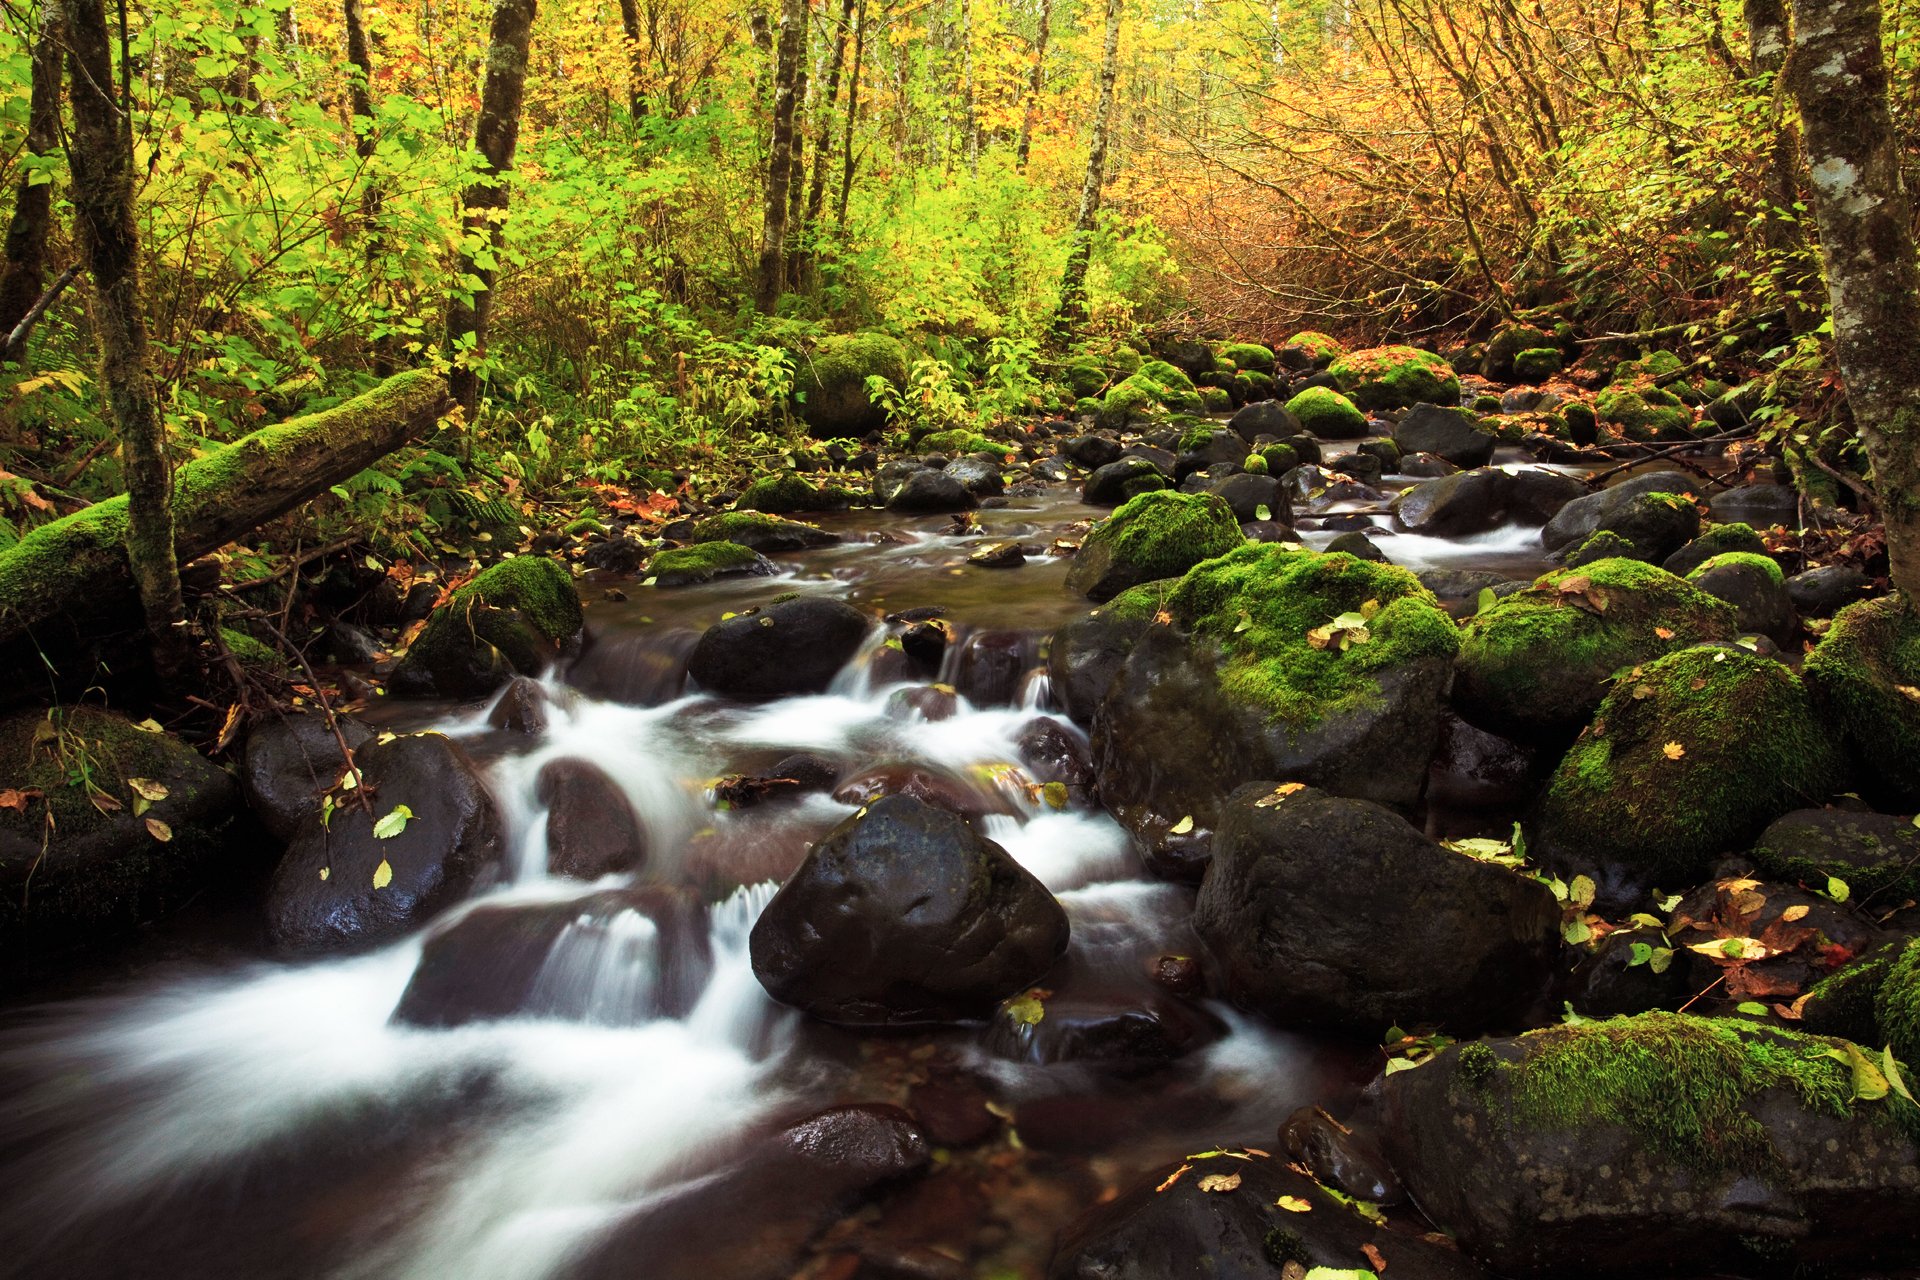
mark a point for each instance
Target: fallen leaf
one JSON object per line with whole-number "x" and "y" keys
{"x": 1293, "y": 1204}
{"x": 1278, "y": 794}
{"x": 1181, "y": 827}
{"x": 1796, "y": 912}
{"x": 1220, "y": 1183}
{"x": 1674, "y": 750}
{"x": 1374, "y": 1256}
{"x": 393, "y": 824}
{"x": 147, "y": 788}
{"x": 16, "y": 798}
{"x": 326, "y": 873}
{"x": 383, "y": 874}
{"x": 229, "y": 729}
{"x": 1665, "y": 633}
{"x": 159, "y": 830}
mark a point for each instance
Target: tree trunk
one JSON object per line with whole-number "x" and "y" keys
{"x": 25, "y": 269}
{"x": 1781, "y": 237}
{"x": 636, "y": 60}
{"x": 786, "y": 79}
{"x": 1838, "y": 75}
{"x": 372, "y": 200}
{"x": 823, "y": 135}
{"x": 853, "y": 117}
{"x": 495, "y": 134}
{"x": 79, "y": 564}
{"x": 1073, "y": 285}
{"x": 970, "y": 115}
{"x": 101, "y": 160}
{"x": 1033, "y": 87}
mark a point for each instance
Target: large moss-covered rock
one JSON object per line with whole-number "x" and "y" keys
{"x": 1897, "y": 1007}
{"x": 1637, "y": 1146}
{"x": 762, "y": 532}
{"x": 785, "y": 493}
{"x": 1327, "y": 414}
{"x": 1277, "y": 662}
{"x": 1249, "y": 355}
{"x": 512, "y": 618}
{"x": 1537, "y": 663}
{"x": 1755, "y": 587}
{"x": 1156, "y": 535}
{"x": 1396, "y": 377}
{"x": 831, "y": 383}
{"x": 1688, "y": 759}
{"x": 79, "y": 863}
{"x": 1644, "y": 413}
{"x": 1312, "y": 349}
{"x": 1088, "y": 652}
{"x": 1504, "y": 348}
{"x": 1715, "y": 539}
{"x": 1865, "y": 668}
{"x": 705, "y": 561}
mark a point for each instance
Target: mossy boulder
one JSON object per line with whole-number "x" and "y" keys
{"x": 761, "y": 532}
{"x": 513, "y": 618}
{"x": 961, "y": 440}
{"x": 1326, "y": 413}
{"x": 1156, "y": 535}
{"x": 1124, "y": 404}
{"x": 79, "y": 862}
{"x": 1122, "y": 479}
{"x": 1644, "y": 413}
{"x": 1537, "y": 663}
{"x": 782, "y": 494}
{"x": 1714, "y": 540}
{"x": 1503, "y": 350}
{"x": 831, "y": 383}
{"x": 1756, "y": 588}
{"x": 1276, "y": 662}
{"x": 1249, "y": 356}
{"x": 1642, "y": 1145}
{"x": 1396, "y": 378}
{"x": 1647, "y": 369}
{"x": 1537, "y": 364}
{"x": 1877, "y": 855}
{"x": 1086, "y": 379}
{"x": 1688, "y": 759}
{"x": 1604, "y": 544}
{"x": 1310, "y": 349}
{"x": 1250, "y": 385}
{"x": 705, "y": 561}
{"x": 1216, "y": 399}
{"x": 1656, "y": 524}
{"x": 1864, "y": 668}
{"x": 1897, "y": 1007}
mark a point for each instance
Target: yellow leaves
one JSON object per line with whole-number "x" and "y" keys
{"x": 1796, "y": 912}
{"x": 1345, "y": 630}
{"x": 1907, "y": 691}
{"x": 1738, "y": 950}
{"x": 383, "y": 874}
{"x": 145, "y": 792}
{"x": 1665, "y": 633}
{"x": 1673, "y": 751}
{"x": 159, "y": 830}
{"x": 326, "y": 873}
{"x": 393, "y": 824}
{"x": 1181, "y": 827}
{"x": 1220, "y": 1183}
{"x": 1027, "y": 1010}
{"x": 1293, "y": 1204}
{"x": 1278, "y": 794}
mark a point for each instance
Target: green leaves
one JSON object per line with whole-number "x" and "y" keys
{"x": 394, "y": 823}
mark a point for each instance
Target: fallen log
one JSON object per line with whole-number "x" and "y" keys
{"x": 78, "y": 564}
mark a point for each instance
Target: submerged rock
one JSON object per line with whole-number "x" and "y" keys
{"x": 904, "y": 914}
{"x": 1156, "y": 535}
{"x": 512, "y": 618}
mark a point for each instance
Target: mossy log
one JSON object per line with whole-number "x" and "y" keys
{"x": 78, "y": 564}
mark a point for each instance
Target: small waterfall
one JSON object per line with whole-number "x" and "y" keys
{"x": 602, "y": 969}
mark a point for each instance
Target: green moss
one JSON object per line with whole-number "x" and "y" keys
{"x": 1845, "y": 1003}
{"x": 1486, "y": 404}
{"x": 1123, "y": 405}
{"x": 1648, "y": 368}
{"x": 959, "y": 440}
{"x": 1319, "y": 346}
{"x": 1161, "y": 374}
{"x": 511, "y": 617}
{"x": 1689, "y": 757}
{"x": 1281, "y": 458}
{"x": 1898, "y": 1005}
{"x": 831, "y": 383}
{"x": 1478, "y": 1064}
{"x": 1388, "y": 377}
{"x": 702, "y": 562}
{"x": 1215, "y": 399}
{"x": 1763, "y": 564}
{"x": 1255, "y": 465}
{"x": 1684, "y": 1086}
{"x": 1325, "y": 412}
{"x": 1125, "y": 361}
{"x": 1086, "y": 379}
{"x": 1154, "y": 535}
{"x": 779, "y": 494}
{"x": 1601, "y": 544}
{"x": 249, "y": 650}
{"x": 729, "y": 525}
{"x": 1644, "y": 413}
{"x": 1537, "y": 363}
{"x": 1249, "y": 355}
{"x": 538, "y": 588}
{"x": 1258, "y": 604}
{"x": 1868, "y": 655}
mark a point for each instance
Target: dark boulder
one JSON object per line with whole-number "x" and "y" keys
{"x": 1339, "y": 1156}
{"x": 891, "y": 476}
{"x": 1203, "y": 450}
{"x": 1124, "y": 478}
{"x": 1864, "y": 670}
{"x": 1579, "y": 518}
{"x": 904, "y": 914}
{"x": 1254, "y": 498}
{"x": 977, "y": 476}
{"x": 1450, "y": 433}
{"x": 929, "y": 492}
{"x": 512, "y": 618}
{"x": 759, "y": 531}
{"x": 790, "y": 648}
{"x": 1823, "y": 592}
{"x": 592, "y": 830}
{"x": 1477, "y": 501}
{"x": 1877, "y": 855}
{"x": 1757, "y": 590}
{"x": 1088, "y": 652}
{"x": 1655, "y": 524}
{"x": 1091, "y": 452}
{"x": 1264, "y": 418}
{"x": 1761, "y": 505}
{"x": 290, "y": 762}
{"x": 521, "y": 708}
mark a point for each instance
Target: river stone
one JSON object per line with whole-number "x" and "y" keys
{"x": 891, "y": 476}
{"x": 1714, "y": 540}
{"x": 1214, "y": 449}
{"x": 92, "y": 874}
{"x": 1451, "y": 433}
{"x": 762, "y": 532}
{"x": 1248, "y": 494}
{"x": 289, "y": 762}
{"x": 619, "y": 958}
{"x": 1264, "y": 418}
{"x": 1088, "y": 652}
{"x": 1760, "y": 505}
{"x": 1580, "y": 517}
{"x": 1646, "y": 1145}
{"x": 324, "y": 894}
{"x": 1876, "y": 854}
{"x": 1322, "y": 911}
{"x": 1340, "y": 1156}
{"x": 522, "y": 707}
{"x": 513, "y": 617}
{"x": 929, "y": 492}
{"x": 1753, "y": 585}
{"x": 592, "y": 830}
{"x": 1092, "y": 452}
{"x": 977, "y": 476}
{"x": 1156, "y": 535}
{"x": 1124, "y": 478}
{"x": 1656, "y": 525}
{"x": 794, "y": 647}
{"x": 1267, "y": 1219}
{"x": 904, "y": 914}
{"x": 1470, "y": 502}
{"x": 1823, "y": 592}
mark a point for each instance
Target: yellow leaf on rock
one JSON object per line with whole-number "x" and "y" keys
{"x": 1796, "y": 912}
{"x": 383, "y": 874}
{"x": 1674, "y": 750}
{"x": 1293, "y": 1204}
{"x": 1220, "y": 1182}
{"x": 159, "y": 830}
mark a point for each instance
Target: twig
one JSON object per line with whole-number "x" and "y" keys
{"x": 1668, "y": 452}
{"x": 299, "y": 562}
{"x": 1696, "y": 995}
{"x": 17, "y": 339}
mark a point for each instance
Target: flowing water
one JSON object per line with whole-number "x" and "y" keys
{"x": 222, "y": 1114}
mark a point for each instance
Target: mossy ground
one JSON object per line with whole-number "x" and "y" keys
{"x": 1163, "y": 534}
{"x": 1325, "y": 412}
{"x": 1389, "y": 377}
{"x": 1258, "y": 604}
{"x": 1898, "y": 1005}
{"x": 1868, "y": 655}
{"x": 1682, "y": 1085}
{"x": 1688, "y": 758}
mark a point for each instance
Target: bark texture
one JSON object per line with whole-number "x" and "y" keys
{"x": 786, "y": 83}
{"x": 1838, "y": 75}
{"x": 853, "y": 117}
{"x": 101, "y": 160}
{"x": 1073, "y": 284}
{"x": 1788, "y": 256}
{"x": 1033, "y": 87}
{"x": 636, "y": 59}
{"x": 495, "y": 135}
{"x": 81, "y": 563}
{"x": 372, "y": 199}
{"x": 25, "y": 267}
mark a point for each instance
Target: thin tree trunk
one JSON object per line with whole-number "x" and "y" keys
{"x": 101, "y": 160}
{"x": 1781, "y": 236}
{"x": 25, "y": 269}
{"x": 853, "y": 117}
{"x": 372, "y": 200}
{"x": 1838, "y": 75}
{"x": 636, "y": 60}
{"x": 823, "y": 136}
{"x": 786, "y": 79}
{"x": 1033, "y": 87}
{"x": 1073, "y": 284}
{"x": 970, "y": 115}
{"x": 495, "y": 135}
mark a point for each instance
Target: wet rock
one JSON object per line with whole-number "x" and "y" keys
{"x": 904, "y": 914}
{"x": 615, "y": 555}
{"x": 1125, "y": 1032}
{"x": 1481, "y": 772}
{"x": 998, "y": 555}
{"x": 1180, "y": 974}
{"x": 793, "y": 776}
{"x": 1395, "y": 377}
{"x": 1355, "y": 543}
{"x": 1050, "y": 471}
{"x": 1088, "y": 652}
{"x": 1504, "y": 349}
{"x": 618, "y": 959}
{"x": 1156, "y": 535}
{"x": 512, "y": 618}
{"x": 592, "y": 830}
{"x": 790, "y": 648}
{"x": 1425, "y": 466}
{"x": 1117, "y": 481}
{"x": 1715, "y": 540}
{"x": 994, "y": 666}
{"x": 1671, "y": 773}
{"x": 1364, "y": 467}
{"x": 1237, "y": 1229}
{"x": 1803, "y": 932}
{"x": 1202, "y": 450}
{"x": 1655, "y": 524}
{"x": 289, "y": 763}
{"x": 1756, "y": 589}
{"x": 1649, "y": 1144}
{"x": 1471, "y": 502}
{"x": 1579, "y": 518}
{"x": 926, "y": 783}
{"x": 1249, "y": 496}
{"x": 977, "y": 476}
{"x": 1615, "y": 978}
{"x": 1092, "y": 452}
{"x": 1861, "y": 670}
{"x": 928, "y": 492}
{"x": 1876, "y": 854}
{"x": 1823, "y": 592}
{"x": 1330, "y": 912}
{"x": 1458, "y": 590}
{"x": 1453, "y": 434}
{"x": 1350, "y": 1162}
{"x": 891, "y": 476}
{"x": 340, "y": 886}
{"x": 707, "y": 561}
{"x": 1052, "y": 752}
{"x": 1761, "y": 505}
{"x": 930, "y": 703}
{"x": 1264, "y": 418}
{"x": 952, "y": 1111}
{"x": 521, "y": 708}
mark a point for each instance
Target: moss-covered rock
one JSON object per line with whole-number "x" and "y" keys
{"x": 1536, "y": 364}
{"x": 1647, "y": 369}
{"x": 781, "y": 494}
{"x": 831, "y": 383}
{"x": 1537, "y": 663}
{"x": 512, "y": 618}
{"x": 1657, "y": 523}
{"x": 1124, "y": 404}
{"x": 1280, "y": 458}
{"x": 705, "y": 561}
{"x": 1897, "y": 1007}
{"x": 1644, "y": 413}
{"x": 1714, "y": 540}
{"x": 1319, "y": 349}
{"x": 1602, "y": 544}
{"x": 1215, "y": 399}
{"x": 961, "y": 440}
{"x": 1502, "y": 353}
{"x": 1249, "y": 356}
{"x": 1086, "y": 379}
{"x": 79, "y": 863}
{"x": 1877, "y": 855}
{"x": 249, "y": 650}
{"x": 1689, "y": 758}
{"x": 1863, "y": 669}
{"x": 1396, "y": 377}
{"x": 1326, "y": 413}
{"x": 761, "y": 532}
{"x": 1756, "y": 588}
{"x": 1156, "y": 535}
{"x": 1251, "y": 385}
